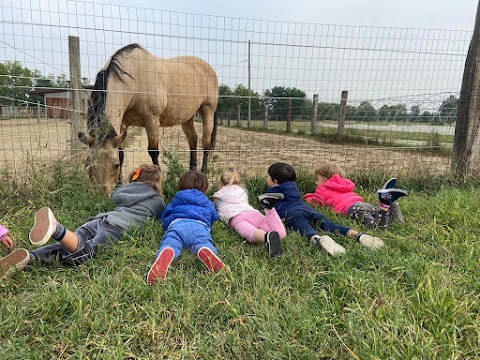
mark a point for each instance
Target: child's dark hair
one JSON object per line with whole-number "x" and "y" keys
{"x": 282, "y": 172}
{"x": 149, "y": 174}
{"x": 193, "y": 180}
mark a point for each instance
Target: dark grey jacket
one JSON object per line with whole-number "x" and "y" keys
{"x": 135, "y": 203}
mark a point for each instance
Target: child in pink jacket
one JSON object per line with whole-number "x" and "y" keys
{"x": 231, "y": 201}
{"x": 335, "y": 191}
{"x": 5, "y": 239}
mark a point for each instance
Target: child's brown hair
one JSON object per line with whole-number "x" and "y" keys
{"x": 193, "y": 179}
{"x": 149, "y": 174}
{"x": 328, "y": 170}
{"x": 230, "y": 177}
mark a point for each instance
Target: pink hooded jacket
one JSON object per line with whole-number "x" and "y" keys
{"x": 336, "y": 192}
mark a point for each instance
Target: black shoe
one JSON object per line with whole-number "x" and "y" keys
{"x": 389, "y": 196}
{"x": 272, "y": 243}
{"x": 390, "y": 183}
{"x": 269, "y": 200}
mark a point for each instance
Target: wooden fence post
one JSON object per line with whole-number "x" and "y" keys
{"x": 289, "y": 116}
{"x": 265, "y": 119}
{"x": 238, "y": 115}
{"x": 75, "y": 92}
{"x": 313, "y": 127}
{"x": 343, "y": 115}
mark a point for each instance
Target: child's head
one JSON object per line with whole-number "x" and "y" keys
{"x": 193, "y": 180}
{"x": 281, "y": 173}
{"x": 149, "y": 174}
{"x": 230, "y": 177}
{"x": 328, "y": 170}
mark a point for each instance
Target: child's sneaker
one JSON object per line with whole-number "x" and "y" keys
{"x": 389, "y": 196}
{"x": 211, "y": 261}
{"x": 269, "y": 200}
{"x": 159, "y": 268}
{"x": 43, "y": 228}
{"x": 272, "y": 243}
{"x": 329, "y": 245}
{"x": 369, "y": 241}
{"x": 17, "y": 259}
{"x": 390, "y": 183}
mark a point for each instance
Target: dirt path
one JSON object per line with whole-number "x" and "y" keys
{"x": 25, "y": 141}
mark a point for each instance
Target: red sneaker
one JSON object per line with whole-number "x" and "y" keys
{"x": 211, "y": 261}
{"x": 160, "y": 267}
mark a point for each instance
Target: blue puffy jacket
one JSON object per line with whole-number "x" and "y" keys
{"x": 189, "y": 204}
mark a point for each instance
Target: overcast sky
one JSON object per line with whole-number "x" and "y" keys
{"x": 431, "y": 14}
{"x": 383, "y": 51}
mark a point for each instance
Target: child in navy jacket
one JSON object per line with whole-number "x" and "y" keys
{"x": 284, "y": 195}
{"x": 187, "y": 222}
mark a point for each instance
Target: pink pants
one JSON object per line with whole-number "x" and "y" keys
{"x": 248, "y": 222}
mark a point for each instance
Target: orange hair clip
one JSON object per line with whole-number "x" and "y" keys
{"x": 136, "y": 174}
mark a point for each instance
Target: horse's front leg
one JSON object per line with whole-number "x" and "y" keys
{"x": 153, "y": 134}
{"x": 189, "y": 130}
{"x": 209, "y": 133}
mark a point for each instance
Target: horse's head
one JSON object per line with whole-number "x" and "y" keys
{"x": 104, "y": 162}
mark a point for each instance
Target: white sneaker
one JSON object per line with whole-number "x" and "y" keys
{"x": 43, "y": 228}
{"x": 329, "y": 245}
{"x": 371, "y": 242}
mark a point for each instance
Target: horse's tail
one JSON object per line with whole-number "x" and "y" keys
{"x": 214, "y": 131}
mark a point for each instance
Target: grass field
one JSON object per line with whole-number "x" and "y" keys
{"x": 416, "y": 299}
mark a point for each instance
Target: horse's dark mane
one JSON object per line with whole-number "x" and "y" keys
{"x": 99, "y": 94}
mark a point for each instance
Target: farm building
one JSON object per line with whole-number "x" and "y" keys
{"x": 58, "y": 102}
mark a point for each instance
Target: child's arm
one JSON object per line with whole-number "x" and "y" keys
{"x": 5, "y": 239}
{"x": 316, "y": 197}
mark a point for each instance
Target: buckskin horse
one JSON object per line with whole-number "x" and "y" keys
{"x": 136, "y": 88}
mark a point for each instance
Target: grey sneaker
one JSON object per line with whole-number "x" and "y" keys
{"x": 389, "y": 196}
{"x": 329, "y": 245}
{"x": 43, "y": 228}
{"x": 390, "y": 183}
{"x": 272, "y": 243}
{"x": 17, "y": 259}
{"x": 269, "y": 200}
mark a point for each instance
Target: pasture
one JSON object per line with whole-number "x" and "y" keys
{"x": 27, "y": 143}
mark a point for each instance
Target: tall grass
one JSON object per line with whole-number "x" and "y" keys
{"x": 416, "y": 299}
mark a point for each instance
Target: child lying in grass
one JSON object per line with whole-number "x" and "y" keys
{"x": 136, "y": 202}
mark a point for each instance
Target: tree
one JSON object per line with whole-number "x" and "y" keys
{"x": 448, "y": 110}
{"x": 243, "y": 94}
{"x": 328, "y": 111}
{"x": 15, "y": 83}
{"x": 225, "y": 102}
{"x": 366, "y": 112}
{"x": 277, "y": 100}
{"x": 414, "y": 113}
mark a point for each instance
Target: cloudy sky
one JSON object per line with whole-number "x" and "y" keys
{"x": 431, "y": 14}
{"x": 380, "y": 50}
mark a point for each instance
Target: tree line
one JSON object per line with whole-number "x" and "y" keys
{"x": 17, "y": 81}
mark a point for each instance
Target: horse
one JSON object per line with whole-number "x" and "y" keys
{"x": 136, "y": 88}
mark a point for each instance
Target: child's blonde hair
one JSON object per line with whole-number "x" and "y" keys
{"x": 149, "y": 174}
{"x": 230, "y": 177}
{"x": 328, "y": 170}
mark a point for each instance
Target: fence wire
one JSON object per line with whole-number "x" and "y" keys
{"x": 403, "y": 86}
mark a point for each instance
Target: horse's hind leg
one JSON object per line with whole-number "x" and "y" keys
{"x": 209, "y": 132}
{"x": 189, "y": 130}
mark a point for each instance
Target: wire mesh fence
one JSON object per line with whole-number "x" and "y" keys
{"x": 280, "y": 86}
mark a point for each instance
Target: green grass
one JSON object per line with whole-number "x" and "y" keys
{"x": 419, "y": 298}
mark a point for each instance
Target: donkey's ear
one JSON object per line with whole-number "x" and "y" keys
{"x": 86, "y": 139}
{"x": 117, "y": 140}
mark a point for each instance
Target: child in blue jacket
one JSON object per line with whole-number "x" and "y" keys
{"x": 284, "y": 195}
{"x": 187, "y": 222}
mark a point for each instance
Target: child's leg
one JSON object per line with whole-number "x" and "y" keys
{"x": 273, "y": 223}
{"x": 395, "y": 214}
{"x": 202, "y": 246}
{"x": 364, "y": 213}
{"x": 171, "y": 247}
{"x": 247, "y": 226}
{"x": 46, "y": 226}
